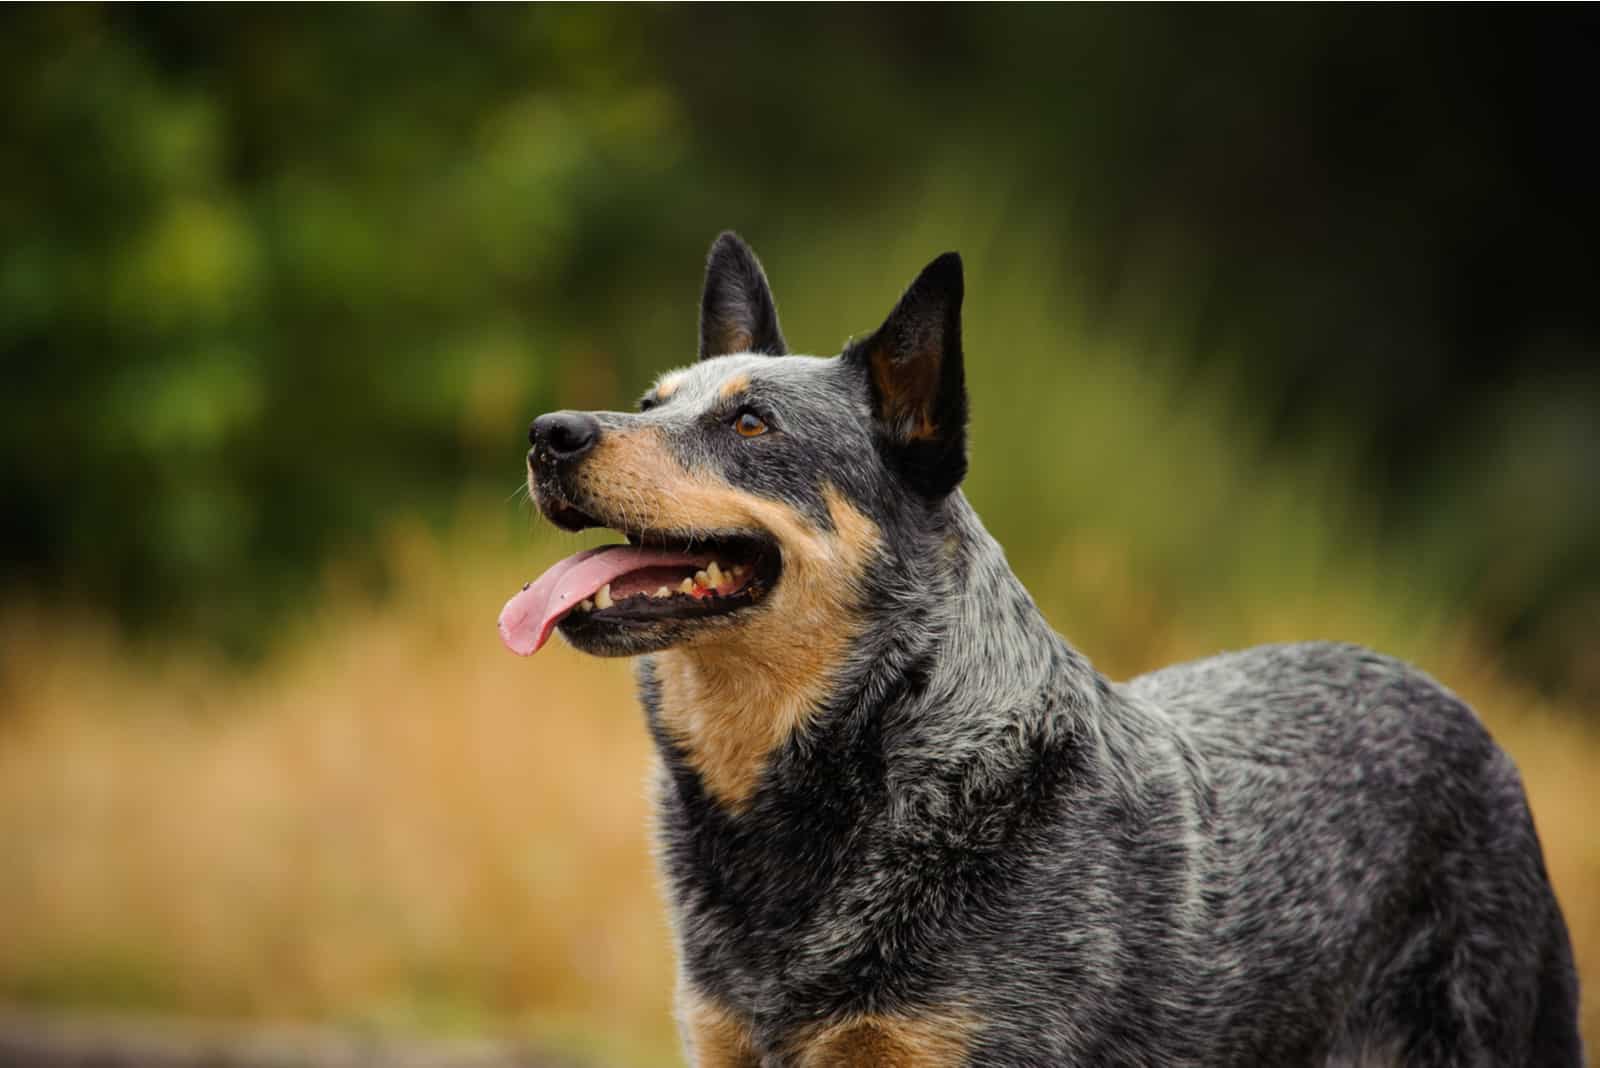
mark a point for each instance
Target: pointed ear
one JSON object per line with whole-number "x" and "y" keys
{"x": 919, "y": 393}
{"x": 737, "y": 312}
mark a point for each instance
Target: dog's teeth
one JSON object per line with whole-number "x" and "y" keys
{"x": 739, "y": 570}
{"x": 686, "y": 586}
{"x": 714, "y": 573}
{"x": 603, "y": 598}
{"x": 662, "y": 592}
{"x": 586, "y": 605}
{"x": 702, "y": 579}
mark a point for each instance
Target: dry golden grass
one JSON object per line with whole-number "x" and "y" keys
{"x": 400, "y": 824}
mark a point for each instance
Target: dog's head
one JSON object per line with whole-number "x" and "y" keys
{"x": 756, "y": 490}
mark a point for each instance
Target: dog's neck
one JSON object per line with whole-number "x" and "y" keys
{"x": 725, "y": 708}
{"x": 995, "y": 669}
{"x": 990, "y": 626}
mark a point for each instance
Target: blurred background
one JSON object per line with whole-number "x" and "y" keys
{"x": 1280, "y": 324}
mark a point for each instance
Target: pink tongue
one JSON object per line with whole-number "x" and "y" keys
{"x": 528, "y": 618}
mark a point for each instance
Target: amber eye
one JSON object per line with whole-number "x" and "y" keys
{"x": 749, "y": 425}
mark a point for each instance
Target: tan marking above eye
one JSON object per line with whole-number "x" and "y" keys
{"x": 668, "y": 385}
{"x": 749, "y": 425}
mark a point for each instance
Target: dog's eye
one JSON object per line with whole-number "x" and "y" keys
{"x": 749, "y": 425}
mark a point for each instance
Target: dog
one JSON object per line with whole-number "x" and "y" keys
{"x": 902, "y": 822}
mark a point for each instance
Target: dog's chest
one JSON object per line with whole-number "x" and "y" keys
{"x": 764, "y": 905}
{"x": 813, "y": 904}
{"x": 807, "y": 968}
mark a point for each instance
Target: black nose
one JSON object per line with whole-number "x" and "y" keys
{"x": 564, "y": 435}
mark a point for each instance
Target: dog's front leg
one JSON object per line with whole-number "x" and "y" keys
{"x": 714, "y": 1036}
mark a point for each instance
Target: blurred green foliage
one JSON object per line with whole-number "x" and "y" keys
{"x": 273, "y": 277}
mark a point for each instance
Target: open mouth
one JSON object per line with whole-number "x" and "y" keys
{"x": 655, "y": 578}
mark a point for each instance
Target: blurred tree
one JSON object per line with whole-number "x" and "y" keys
{"x": 269, "y": 278}
{"x": 271, "y": 275}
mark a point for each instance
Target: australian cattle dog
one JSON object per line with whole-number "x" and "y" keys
{"x": 902, "y": 822}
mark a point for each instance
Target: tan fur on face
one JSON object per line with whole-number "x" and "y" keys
{"x": 668, "y": 385}
{"x": 716, "y": 1038}
{"x": 734, "y": 386}
{"x": 733, "y": 696}
{"x": 933, "y": 1041}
